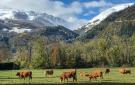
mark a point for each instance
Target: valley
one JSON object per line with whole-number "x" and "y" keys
{"x": 32, "y": 42}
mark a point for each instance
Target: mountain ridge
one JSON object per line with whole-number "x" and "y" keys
{"x": 102, "y": 16}
{"x": 32, "y": 16}
{"x": 120, "y": 23}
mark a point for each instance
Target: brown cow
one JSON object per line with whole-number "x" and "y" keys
{"x": 24, "y": 74}
{"x": 70, "y": 74}
{"x": 107, "y": 71}
{"x": 49, "y": 72}
{"x": 92, "y": 77}
{"x": 95, "y": 74}
{"x": 124, "y": 71}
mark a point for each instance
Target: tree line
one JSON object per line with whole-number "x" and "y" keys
{"x": 38, "y": 52}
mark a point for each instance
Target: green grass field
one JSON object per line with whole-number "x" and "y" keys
{"x": 9, "y": 77}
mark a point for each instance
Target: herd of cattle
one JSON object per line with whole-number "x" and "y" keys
{"x": 73, "y": 74}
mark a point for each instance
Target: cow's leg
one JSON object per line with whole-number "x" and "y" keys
{"x": 67, "y": 79}
{"x": 96, "y": 78}
{"x": 19, "y": 77}
{"x": 46, "y": 74}
{"x": 24, "y": 79}
{"x": 60, "y": 80}
{"x": 75, "y": 78}
{"x": 64, "y": 79}
{"x": 101, "y": 77}
{"x": 31, "y": 77}
{"x": 89, "y": 78}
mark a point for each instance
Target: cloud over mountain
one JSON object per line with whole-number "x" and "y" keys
{"x": 70, "y": 12}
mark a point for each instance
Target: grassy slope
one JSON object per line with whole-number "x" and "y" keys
{"x": 8, "y": 77}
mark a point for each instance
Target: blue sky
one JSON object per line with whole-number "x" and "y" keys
{"x": 77, "y": 12}
{"x": 95, "y": 10}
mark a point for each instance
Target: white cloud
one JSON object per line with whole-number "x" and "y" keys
{"x": 100, "y": 3}
{"x": 56, "y": 8}
{"x": 89, "y": 12}
{"x": 43, "y": 5}
{"x": 77, "y": 23}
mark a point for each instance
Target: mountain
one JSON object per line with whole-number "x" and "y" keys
{"x": 14, "y": 23}
{"x": 15, "y": 28}
{"x": 56, "y": 33}
{"x": 103, "y": 15}
{"x": 33, "y": 17}
{"x": 120, "y": 23}
{"x": 52, "y": 34}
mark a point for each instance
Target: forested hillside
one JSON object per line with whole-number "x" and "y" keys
{"x": 120, "y": 23}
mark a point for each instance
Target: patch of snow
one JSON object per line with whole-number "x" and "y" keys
{"x": 33, "y": 16}
{"x": 6, "y": 14}
{"x": 106, "y": 13}
{"x": 103, "y": 15}
{"x": 4, "y": 29}
{"x": 15, "y": 29}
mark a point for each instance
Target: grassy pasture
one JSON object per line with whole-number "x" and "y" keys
{"x": 9, "y": 77}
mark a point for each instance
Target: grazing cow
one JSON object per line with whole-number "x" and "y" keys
{"x": 70, "y": 74}
{"x": 24, "y": 74}
{"x": 95, "y": 74}
{"x": 92, "y": 77}
{"x": 49, "y": 72}
{"x": 124, "y": 71}
{"x": 107, "y": 71}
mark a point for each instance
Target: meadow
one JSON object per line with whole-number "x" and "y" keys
{"x": 113, "y": 78}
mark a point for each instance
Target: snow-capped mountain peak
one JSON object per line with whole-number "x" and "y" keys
{"x": 31, "y": 16}
{"x": 103, "y": 15}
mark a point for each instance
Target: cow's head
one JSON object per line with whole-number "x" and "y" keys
{"x": 18, "y": 74}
